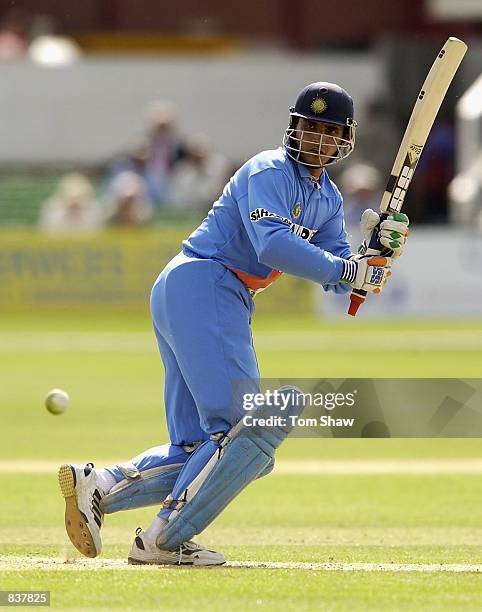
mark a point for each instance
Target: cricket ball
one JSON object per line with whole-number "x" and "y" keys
{"x": 57, "y": 401}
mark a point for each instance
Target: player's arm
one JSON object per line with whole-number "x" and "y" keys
{"x": 333, "y": 238}
{"x": 266, "y": 217}
{"x": 367, "y": 273}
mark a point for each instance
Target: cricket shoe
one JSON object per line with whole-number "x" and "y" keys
{"x": 145, "y": 552}
{"x": 83, "y": 517}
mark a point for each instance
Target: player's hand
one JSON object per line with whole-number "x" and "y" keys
{"x": 392, "y": 233}
{"x": 367, "y": 273}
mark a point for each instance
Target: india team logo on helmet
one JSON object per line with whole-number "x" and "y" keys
{"x": 326, "y": 103}
{"x": 318, "y": 106}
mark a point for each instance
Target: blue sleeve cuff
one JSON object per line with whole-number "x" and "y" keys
{"x": 338, "y": 270}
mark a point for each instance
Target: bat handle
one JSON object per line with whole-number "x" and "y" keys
{"x": 357, "y": 298}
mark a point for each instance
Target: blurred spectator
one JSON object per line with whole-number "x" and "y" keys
{"x": 134, "y": 160}
{"x": 170, "y": 171}
{"x": 360, "y": 185}
{"x": 14, "y": 30}
{"x": 199, "y": 178}
{"x": 49, "y": 48}
{"x": 429, "y": 197}
{"x": 72, "y": 208}
{"x": 128, "y": 206}
{"x": 165, "y": 149}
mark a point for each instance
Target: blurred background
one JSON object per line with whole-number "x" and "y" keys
{"x": 122, "y": 121}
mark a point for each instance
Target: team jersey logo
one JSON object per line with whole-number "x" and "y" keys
{"x": 297, "y": 210}
{"x": 318, "y": 106}
{"x": 303, "y": 232}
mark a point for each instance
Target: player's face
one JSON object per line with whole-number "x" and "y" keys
{"x": 311, "y": 133}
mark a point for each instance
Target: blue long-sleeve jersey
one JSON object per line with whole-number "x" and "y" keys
{"x": 272, "y": 218}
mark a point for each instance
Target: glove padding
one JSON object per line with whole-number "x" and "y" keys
{"x": 393, "y": 232}
{"x": 372, "y": 273}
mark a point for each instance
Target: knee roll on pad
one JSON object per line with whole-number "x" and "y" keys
{"x": 242, "y": 455}
{"x": 139, "y": 489}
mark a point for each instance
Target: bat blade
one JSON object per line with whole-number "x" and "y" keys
{"x": 420, "y": 123}
{"x": 423, "y": 115}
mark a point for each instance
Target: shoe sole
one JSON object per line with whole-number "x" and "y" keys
{"x": 75, "y": 520}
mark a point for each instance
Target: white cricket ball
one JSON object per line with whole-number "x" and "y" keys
{"x": 57, "y": 401}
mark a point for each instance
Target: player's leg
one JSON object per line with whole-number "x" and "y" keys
{"x": 145, "y": 480}
{"x": 149, "y": 478}
{"x": 183, "y": 426}
{"x": 211, "y": 338}
{"x": 203, "y": 311}
{"x": 231, "y": 462}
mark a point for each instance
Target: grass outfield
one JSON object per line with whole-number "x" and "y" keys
{"x": 301, "y": 529}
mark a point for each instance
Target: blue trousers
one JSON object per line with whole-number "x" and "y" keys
{"x": 201, "y": 313}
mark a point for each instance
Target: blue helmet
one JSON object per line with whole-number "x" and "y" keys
{"x": 325, "y": 103}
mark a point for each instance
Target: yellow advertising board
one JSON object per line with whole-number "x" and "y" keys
{"x": 114, "y": 269}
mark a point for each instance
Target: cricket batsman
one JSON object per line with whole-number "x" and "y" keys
{"x": 280, "y": 212}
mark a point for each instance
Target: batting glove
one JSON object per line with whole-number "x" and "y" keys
{"x": 366, "y": 273}
{"x": 392, "y": 233}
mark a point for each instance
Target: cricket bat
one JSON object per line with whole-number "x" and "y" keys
{"x": 418, "y": 128}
